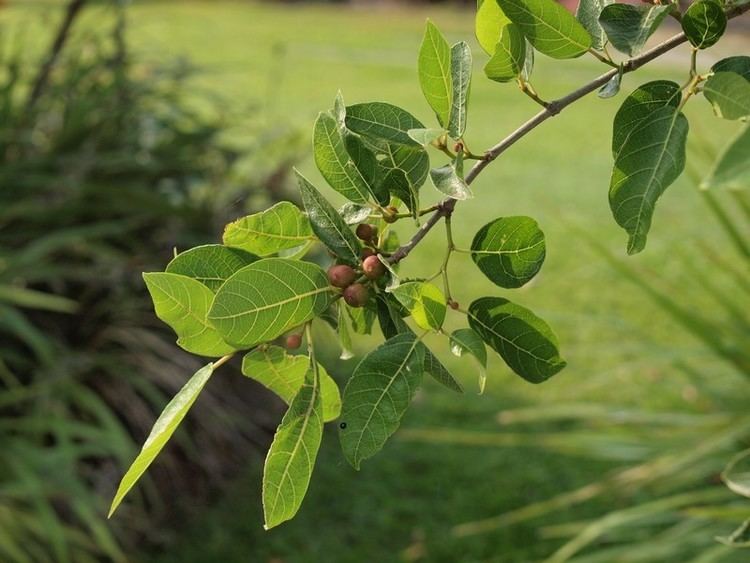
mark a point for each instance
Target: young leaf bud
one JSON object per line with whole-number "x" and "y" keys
{"x": 356, "y": 295}
{"x": 341, "y": 275}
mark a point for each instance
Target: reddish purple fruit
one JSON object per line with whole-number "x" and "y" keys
{"x": 341, "y": 275}
{"x": 367, "y": 252}
{"x": 372, "y": 267}
{"x": 356, "y": 295}
{"x": 293, "y": 341}
{"x": 366, "y": 232}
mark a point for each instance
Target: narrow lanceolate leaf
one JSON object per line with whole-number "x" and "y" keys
{"x": 732, "y": 169}
{"x": 344, "y": 334}
{"x": 729, "y": 94}
{"x": 327, "y": 224}
{"x": 522, "y": 339}
{"x": 280, "y": 227}
{"x": 434, "y": 68}
{"x": 509, "y": 250}
{"x": 510, "y": 54}
{"x": 268, "y": 298}
{"x": 550, "y": 28}
{"x": 284, "y": 374}
{"x": 391, "y": 324}
{"x": 461, "y": 83}
{"x": 425, "y": 303}
{"x": 334, "y": 162}
{"x": 588, "y": 14}
{"x": 489, "y": 21}
{"x": 611, "y": 88}
{"x": 210, "y": 264}
{"x": 704, "y": 22}
{"x": 447, "y": 181}
{"x": 638, "y": 107}
{"x": 183, "y": 303}
{"x": 164, "y": 427}
{"x": 291, "y": 458}
{"x": 628, "y": 27}
{"x": 652, "y": 158}
{"x": 528, "y": 63}
{"x": 377, "y": 396}
{"x": 382, "y": 121}
{"x": 466, "y": 341}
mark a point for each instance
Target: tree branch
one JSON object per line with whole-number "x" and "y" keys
{"x": 445, "y": 208}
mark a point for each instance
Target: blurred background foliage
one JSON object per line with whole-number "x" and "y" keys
{"x": 150, "y": 125}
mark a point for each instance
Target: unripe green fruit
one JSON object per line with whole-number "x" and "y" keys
{"x": 367, "y": 232}
{"x": 341, "y": 275}
{"x": 372, "y": 267}
{"x": 293, "y": 341}
{"x": 356, "y": 295}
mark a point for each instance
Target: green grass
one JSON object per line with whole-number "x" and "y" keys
{"x": 292, "y": 59}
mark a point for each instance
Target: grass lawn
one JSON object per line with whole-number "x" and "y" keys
{"x": 292, "y": 59}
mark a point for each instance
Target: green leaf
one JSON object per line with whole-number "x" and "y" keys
{"x": 447, "y": 181}
{"x": 382, "y": 121}
{"x": 284, "y": 374}
{"x": 391, "y": 324}
{"x": 588, "y": 13}
{"x": 362, "y": 318}
{"x": 334, "y": 162}
{"x": 162, "y": 431}
{"x": 611, "y": 88}
{"x": 344, "y": 334}
{"x": 732, "y": 169}
{"x": 509, "y": 250}
{"x": 528, "y": 63}
{"x": 461, "y": 84}
{"x": 651, "y": 158}
{"x": 739, "y": 64}
{"x": 510, "y": 54}
{"x": 425, "y": 303}
{"x": 639, "y": 106}
{"x": 183, "y": 303}
{"x": 434, "y": 67}
{"x": 291, "y": 458}
{"x": 628, "y": 27}
{"x": 489, "y": 21}
{"x": 425, "y": 136}
{"x": 704, "y": 22}
{"x": 353, "y": 214}
{"x": 267, "y": 298}
{"x": 466, "y": 341}
{"x": 377, "y": 396}
{"x": 413, "y": 161}
{"x": 736, "y": 475}
{"x": 398, "y": 185}
{"x": 277, "y": 228}
{"x": 522, "y": 339}
{"x": 327, "y": 224}
{"x": 210, "y": 264}
{"x": 729, "y": 94}
{"x": 550, "y": 28}
{"x": 365, "y": 162}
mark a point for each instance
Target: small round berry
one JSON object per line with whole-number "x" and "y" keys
{"x": 372, "y": 267}
{"x": 341, "y": 275}
{"x": 293, "y": 341}
{"x": 366, "y": 232}
{"x": 356, "y": 295}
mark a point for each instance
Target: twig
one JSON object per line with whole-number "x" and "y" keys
{"x": 445, "y": 208}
